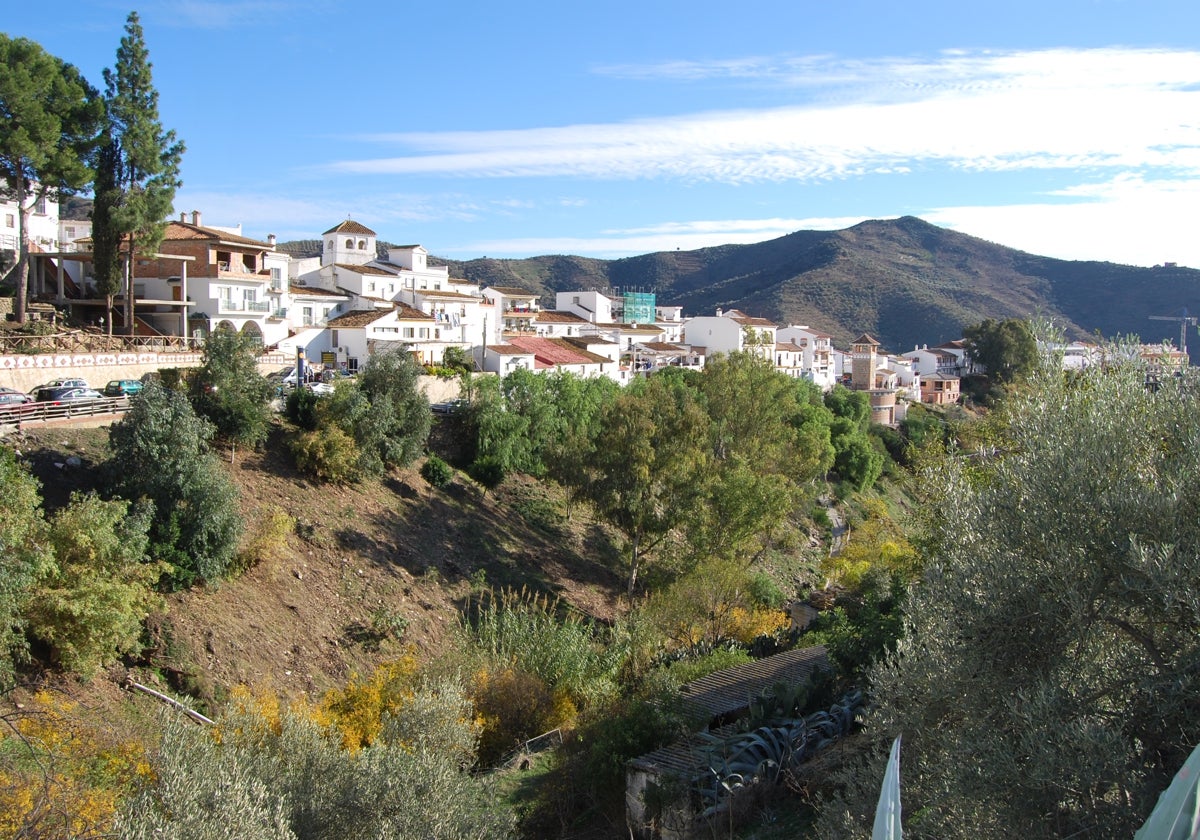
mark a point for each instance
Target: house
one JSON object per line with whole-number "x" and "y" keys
{"x": 580, "y": 356}
{"x": 515, "y": 309}
{"x": 436, "y": 311}
{"x": 225, "y": 279}
{"x": 940, "y": 389}
{"x": 817, "y": 365}
{"x": 356, "y": 335}
{"x": 927, "y": 361}
{"x": 881, "y": 383}
{"x": 593, "y": 306}
{"x": 731, "y": 332}
{"x": 554, "y": 324}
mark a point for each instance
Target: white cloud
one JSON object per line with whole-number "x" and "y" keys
{"x": 1057, "y": 109}
{"x": 668, "y": 236}
{"x": 1127, "y": 219}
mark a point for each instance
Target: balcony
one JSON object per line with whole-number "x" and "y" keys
{"x": 251, "y": 306}
{"x": 278, "y": 315}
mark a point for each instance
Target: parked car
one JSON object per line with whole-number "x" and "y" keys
{"x": 448, "y": 407}
{"x": 123, "y": 388}
{"x": 57, "y": 383}
{"x": 12, "y": 401}
{"x": 58, "y": 396}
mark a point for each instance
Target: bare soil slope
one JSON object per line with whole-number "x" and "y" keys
{"x": 362, "y": 561}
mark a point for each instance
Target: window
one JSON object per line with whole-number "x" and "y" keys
{"x": 10, "y": 220}
{"x": 70, "y": 232}
{"x": 350, "y": 244}
{"x": 409, "y": 332}
{"x": 424, "y": 332}
{"x": 371, "y": 286}
{"x": 362, "y": 244}
{"x": 40, "y": 207}
{"x": 276, "y": 274}
{"x": 333, "y": 336}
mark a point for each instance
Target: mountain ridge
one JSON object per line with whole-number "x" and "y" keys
{"x": 905, "y": 281}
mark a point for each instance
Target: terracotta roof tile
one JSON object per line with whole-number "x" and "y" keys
{"x": 404, "y": 312}
{"x": 358, "y": 318}
{"x": 314, "y": 291}
{"x": 747, "y": 321}
{"x": 182, "y": 231}
{"x": 350, "y": 226}
{"x": 557, "y": 351}
{"x": 551, "y": 316}
{"x": 513, "y": 291}
{"x": 365, "y": 269}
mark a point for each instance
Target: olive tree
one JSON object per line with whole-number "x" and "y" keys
{"x": 1047, "y": 679}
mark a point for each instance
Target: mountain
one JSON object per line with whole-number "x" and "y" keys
{"x": 904, "y": 281}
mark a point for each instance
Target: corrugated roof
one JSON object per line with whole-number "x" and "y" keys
{"x": 731, "y": 690}
{"x": 350, "y": 226}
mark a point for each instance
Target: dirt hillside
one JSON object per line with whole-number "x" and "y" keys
{"x": 364, "y": 571}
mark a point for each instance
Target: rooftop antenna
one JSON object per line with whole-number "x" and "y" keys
{"x": 1184, "y": 320}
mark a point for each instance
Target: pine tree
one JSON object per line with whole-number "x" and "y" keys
{"x": 144, "y": 161}
{"x": 49, "y": 117}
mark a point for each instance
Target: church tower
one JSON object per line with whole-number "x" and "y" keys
{"x": 350, "y": 243}
{"x": 863, "y": 360}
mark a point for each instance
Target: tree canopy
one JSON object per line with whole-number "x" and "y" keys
{"x": 1006, "y": 349}
{"x": 49, "y": 120}
{"x": 139, "y": 161}
{"x": 160, "y": 452}
{"x": 1046, "y": 682}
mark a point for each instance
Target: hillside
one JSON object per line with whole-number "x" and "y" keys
{"x": 905, "y": 281}
{"x": 391, "y": 555}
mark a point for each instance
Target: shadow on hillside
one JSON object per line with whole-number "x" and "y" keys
{"x": 509, "y": 539}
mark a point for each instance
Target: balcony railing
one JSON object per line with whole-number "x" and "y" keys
{"x": 225, "y": 305}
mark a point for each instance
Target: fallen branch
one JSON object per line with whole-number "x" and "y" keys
{"x": 170, "y": 701}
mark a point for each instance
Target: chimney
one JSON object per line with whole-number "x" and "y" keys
{"x": 719, "y": 313}
{"x": 196, "y": 218}
{"x": 271, "y": 239}
{"x": 183, "y": 216}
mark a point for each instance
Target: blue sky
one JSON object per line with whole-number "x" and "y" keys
{"x": 1069, "y": 128}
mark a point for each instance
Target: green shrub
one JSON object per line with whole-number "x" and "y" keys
{"x": 301, "y": 408}
{"x": 327, "y": 454}
{"x": 436, "y": 471}
{"x": 488, "y": 471}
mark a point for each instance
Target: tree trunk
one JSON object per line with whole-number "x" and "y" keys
{"x": 22, "y": 253}
{"x": 634, "y": 560}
